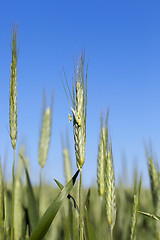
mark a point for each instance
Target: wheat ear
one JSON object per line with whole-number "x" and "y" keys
{"x": 110, "y": 195}
{"x": 13, "y": 90}
{"x": 45, "y": 135}
{"x": 102, "y": 149}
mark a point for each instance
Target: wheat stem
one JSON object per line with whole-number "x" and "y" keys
{"x": 80, "y": 207}
{"x": 13, "y": 184}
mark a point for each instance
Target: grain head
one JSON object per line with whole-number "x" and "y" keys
{"x": 13, "y": 90}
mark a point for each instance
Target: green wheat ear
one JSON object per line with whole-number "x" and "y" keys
{"x": 79, "y": 109}
{"x": 153, "y": 175}
{"x": 13, "y": 90}
{"x": 100, "y": 164}
{"x": 102, "y": 149}
{"x": 45, "y": 135}
{"x": 110, "y": 195}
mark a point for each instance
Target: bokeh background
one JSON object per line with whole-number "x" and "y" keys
{"x": 122, "y": 43}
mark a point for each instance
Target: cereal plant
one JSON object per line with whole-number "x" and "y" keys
{"x": 107, "y": 210}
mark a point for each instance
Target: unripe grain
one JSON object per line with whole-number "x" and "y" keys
{"x": 79, "y": 111}
{"x": 13, "y": 91}
{"x": 110, "y": 191}
{"x": 45, "y": 138}
{"x": 101, "y": 163}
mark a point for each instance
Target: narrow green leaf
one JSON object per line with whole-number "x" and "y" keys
{"x": 151, "y": 215}
{"x": 32, "y": 206}
{"x": 59, "y": 184}
{"x": 69, "y": 196}
{"x": 46, "y": 220}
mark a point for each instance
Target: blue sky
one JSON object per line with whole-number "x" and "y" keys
{"x": 122, "y": 42}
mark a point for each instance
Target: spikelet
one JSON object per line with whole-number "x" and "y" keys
{"x": 13, "y": 90}
{"x": 110, "y": 194}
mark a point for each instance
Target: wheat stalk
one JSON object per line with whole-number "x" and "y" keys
{"x": 13, "y": 111}
{"x": 136, "y": 202}
{"x": 79, "y": 112}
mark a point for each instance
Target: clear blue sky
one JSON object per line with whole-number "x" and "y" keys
{"x": 122, "y": 42}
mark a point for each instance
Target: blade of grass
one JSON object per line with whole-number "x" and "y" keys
{"x": 151, "y": 215}
{"x": 46, "y": 220}
{"x": 69, "y": 196}
{"x": 32, "y": 206}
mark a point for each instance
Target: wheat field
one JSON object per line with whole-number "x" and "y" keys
{"x": 71, "y": 211}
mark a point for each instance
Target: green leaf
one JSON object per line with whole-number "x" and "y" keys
{"x": 151, "y": 215}
{"x": 46, "y": 220}
{"x": 32, "y": 206}
{"x": 69, "y": 196}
